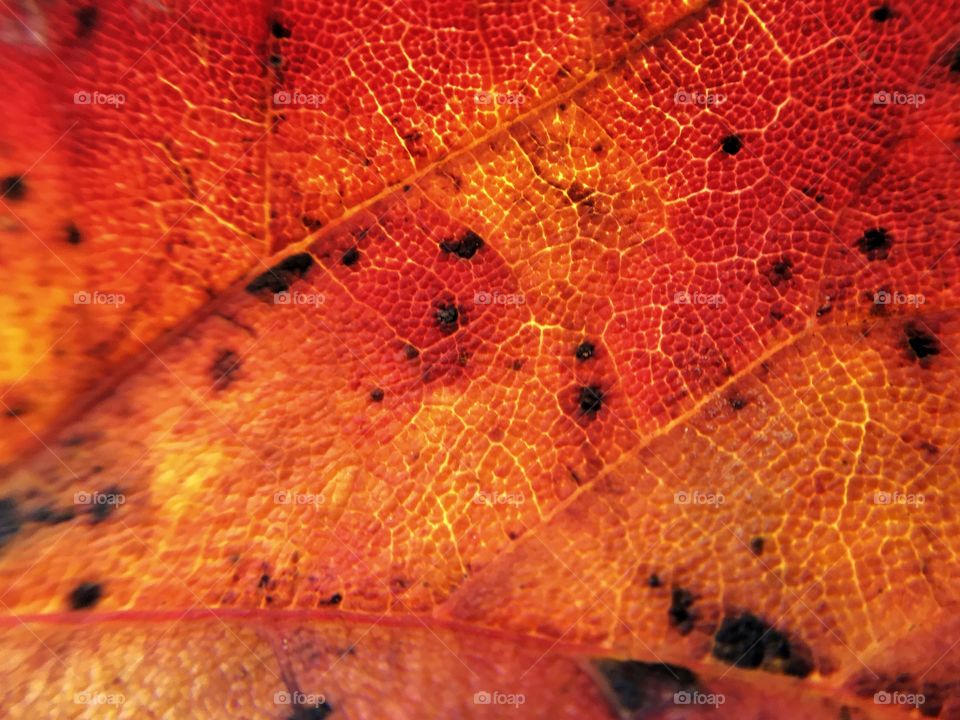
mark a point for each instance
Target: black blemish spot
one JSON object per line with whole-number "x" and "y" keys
{"x": 597, "y": 148}
{"x": 314, "y": 712}
{"x": 446, "y": 317}
{"x": 640, "y": 687}
{"x": 224, "y": 367}
{"x": 929, "y": 448}
{"x": 85, "y": 595}
{"x": 410, "y": 352}
{"x": 781, "y": 271}
{"x": 335, "y": 599}
{"x": 376, "y": 395}
{"x": 517, "y": 364}
{"x": 9, "y": 520}
{"x": 106, "y": 503}
{"x": 87, "y": 18}
{"x": 12, "y": 188}
{"x": 311, "y": 223}
{"x": 590, "y": 399}
{"x": 777, "y": 314}
{"x": 654, "y": 581}
{"x": 737, "y": 401}
{"x": 276, "y": 61}
{"x": 882, "y": 14}
{"x": 73, "y": 234}
{"x": 585, "y": 351}
{"x": 680, "y": 615}
{"x": 279, "y": 31}
{"x": 264, "y": 581}
{"x": 921, "y": 343}
{"x": 15, "y": 411}
{"x": 875, "y": 244}
{"x": 466, "y": 247}
{"x": 731, "y": 144}
{"x": 823, "y": 310}
{"x": 49, "y": 516}
{"x": 350, "y": 257}
{"x": 748, "y": 642}
{"x": 278, "y": 278}
{"x": 756, "y": 546}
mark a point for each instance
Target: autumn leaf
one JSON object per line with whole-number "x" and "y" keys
{"x": 450, "y": 359}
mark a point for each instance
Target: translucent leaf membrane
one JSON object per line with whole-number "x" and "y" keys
{"x": 638, "y": 387}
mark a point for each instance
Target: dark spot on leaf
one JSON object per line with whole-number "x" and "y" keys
{"x": 311, "y": 223}
{"x": 578, "y": 192}
{"x": 313, "y": 712}
{"x": 279, "y": 30}
{"x": 376, "y": 395}
{"x": 640, "y": 687}
{"x": 50, "y": 516}
{"x": 654, "y": 581}
{"x": 85, "y": 595}
{"x": 264, "y": 581}
{"x": 746, "y": 641}
{"x": 335, "y": 599}
{"x": 276, "y": 61}
{"x": 590, "y": 399}
{"x": 350, "y": 257}
{"x": 410, "y": 352}
{"x": 447, "y": 316}
{"x": 731, "y": 144}
{"x": 875, "y": 243}
{"x": 73, "y": 235}
{"x": 9, "y": 520}
{"x": 756, "y": 546}
{"x": 224, "y": 367}
{"x": 823, "y": 310}
{"x": 780, "y": 271}
{"x": 585, "y": 351}
{"x": 680, "y": 615}
{"x": 278, "y": 278}
{"x": 466, "y": 247}
{"x": 87, "y": 18}
{"x": 104, "y": 504}
{"x": 12, "y": 187}
{"x": 737, "y": 401}
{"x": 882, "y": 13}
{"x": 921, "y": 343}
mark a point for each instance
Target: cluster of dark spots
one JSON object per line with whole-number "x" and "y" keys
{"x": 875, "y": 243}
{"x": 737, "y": 401}
{"x": 73, "y": 236}
{"x": 85, "y": 595}
{"x": 654, "y": 581}
{"x": 376, "y": 395}
{"x": 746, "y": 641}
{"x": 312, "y": 712}
{"x": 279, "y": 30}
{"x": 350, "y": 257}
{"x": 224, "y": 368}
{"x": 680, "y": 614}
{"x": 921, "y": 344}
{"x": 87, "y": 18}
{"x": 278, "y": 278}
{"x": 590, "y": 399}
{"x": 105, "y": 503}
{"x": 447, "y": 316}
{"x": 311, "y": 223}
{"x": 780, "y": 271}
{"x": 9, "y": 520}
{"x": 585, "y": 351}
{"x": 756, "y": 546}
{"x": 810, "y": 192}
{"x": 881, "y": 14}
{"x": 641, "y": 687}
{"x": 577, "y": 192}
{"x": 731, "y": 144}
{"x": 12, "y": 187}
{"x": 466, "y": 247}
{"x": 50, "y": 516}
